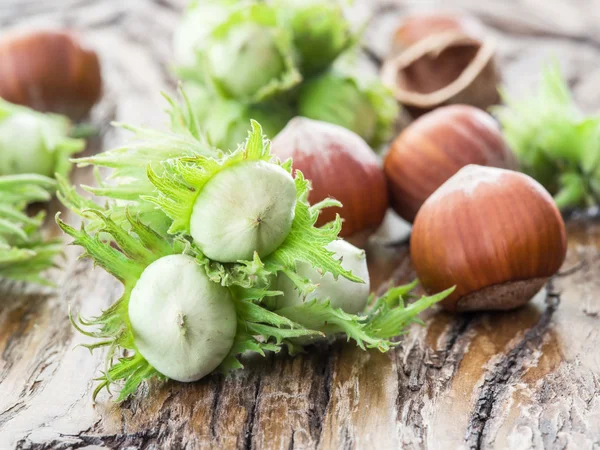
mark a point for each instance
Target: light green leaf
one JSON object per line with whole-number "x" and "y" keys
{"x": 23, "y": 253}
{"x": 388, "y": 318}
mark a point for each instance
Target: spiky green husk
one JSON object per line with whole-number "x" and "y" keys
{"x": 259, "y": 328}
{"x": 321, "y": 32}
{"x": 24, "y": 255}
{"x": 137, "y": 248}
{"x": 182, "y": 179}
{"x": 554, "y": 141}
{"x": 159, "y": 179}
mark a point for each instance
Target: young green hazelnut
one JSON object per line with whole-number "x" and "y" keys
{"x": 253, "y": 61}
{"x": 23, "y": 148}
{"x": 183, "y": 323}
{"x": 349, "y": 296}
{"x": 246, "y": 208}
{"x": 34, "y": 142}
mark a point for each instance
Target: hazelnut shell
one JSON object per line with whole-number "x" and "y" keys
{"x": 49, "y": 71}
{"x": 434, "y": 147}
{"x": 440, "y": 60}
{"x": 495, "y": 234}
{"x": 340, "y": 165}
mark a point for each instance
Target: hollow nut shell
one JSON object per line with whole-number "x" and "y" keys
{"x": 340, "y": 165}
{"x": 440, "y": 60}
{"x": 49, "y": 71}
{"x": 495, "y": 234}
{"x": 436, "y": 146}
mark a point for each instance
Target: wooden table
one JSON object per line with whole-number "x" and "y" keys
{"x": 524, "y": 379}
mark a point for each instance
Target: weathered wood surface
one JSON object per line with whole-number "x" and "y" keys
{"x": 524, "y": 379}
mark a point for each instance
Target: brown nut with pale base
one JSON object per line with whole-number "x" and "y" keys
{"x": 340, "y": 165}
{"x": 440, "y": 59}
{"x": 495, "y": 234}
{"x": 49, "y": 71}
{"x": 434, "y": 147}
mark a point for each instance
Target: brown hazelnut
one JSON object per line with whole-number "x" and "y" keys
{"x": 340, "y": 165}
{"x": 434, "y": 147}
{"x": 49, "y": 71}
{"x": 442, "y": 59}
{"x": 495, "y": 234}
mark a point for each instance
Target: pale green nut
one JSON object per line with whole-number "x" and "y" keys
{"x": 183, "y": 323}
{"x": 245, "y": 61}
{"x": 23, "y": 148}
{"x": 351, "y": 297}
{"x": 246, "y": 208}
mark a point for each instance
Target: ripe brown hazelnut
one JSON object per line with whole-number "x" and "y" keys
{"x": 49, "y": 71}
{"x": 340, "y": 165}
{"x": 495, "y": 234}
{"x": 434, "y": 147}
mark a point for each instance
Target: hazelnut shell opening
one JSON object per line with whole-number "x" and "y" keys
{"x": 446, "y": 68}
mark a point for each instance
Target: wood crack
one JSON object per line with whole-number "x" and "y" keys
{"x": 251, "y": 421}
{"x": 428, "y": 373}
{"x": 512, "y": 364}
{"x": 214, "y": 415}
{"x": 320, "y": 396}
{"x": 140, "y": 440}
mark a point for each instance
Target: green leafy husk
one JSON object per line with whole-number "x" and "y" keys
{"x": 34, "y": 142}
{"x": 199, "y": 20}
{"x": 253, "y": 72}
{"x": 224, "y": 122}
{"x": 555, "y": 142}
{"x": 156, "y": 180}
{"x": 181, "y": 180}
{"x": 321, "y": 32}
{"x": 363, "y": 106}
{"x": 273, "y": 60}
{"x": 158, "y": 177}
{"x": 259, "y": 329}
{"x": 24, "y": 255}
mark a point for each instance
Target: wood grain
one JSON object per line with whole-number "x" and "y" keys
{"x": 529, "y": 378}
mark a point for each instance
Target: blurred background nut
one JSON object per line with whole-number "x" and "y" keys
{"x": 49, "y": 71}
{"x": 441, "y": 59}
{"x": 434, "y": 147}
